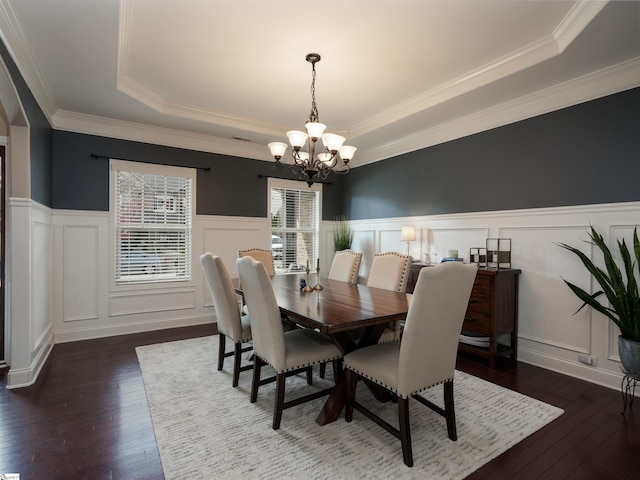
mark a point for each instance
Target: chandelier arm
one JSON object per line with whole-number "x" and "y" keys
{"x": 342, "y": 169}
{"x": 312, "y": 153}
{"x": 296, "y": 159}
{"x": 333, "y": 161}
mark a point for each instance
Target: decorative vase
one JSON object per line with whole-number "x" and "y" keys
{"x": 629, "y": 352}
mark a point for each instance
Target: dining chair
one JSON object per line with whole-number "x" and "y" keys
{"x": 231, "y": 324}
{"x": 262, "y": 255}
{"x": 288, "y": 352}
{"x": 345, "y": 266}
{"x": 390, "y": 271}
{"x": 424, "y": 357}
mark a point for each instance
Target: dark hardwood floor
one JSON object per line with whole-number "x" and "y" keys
{"x": 87, "y": 418}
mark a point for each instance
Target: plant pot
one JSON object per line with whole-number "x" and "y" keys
{"x": 629, "y": 352}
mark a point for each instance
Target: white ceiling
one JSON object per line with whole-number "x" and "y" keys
{"x": 229, "y": 76}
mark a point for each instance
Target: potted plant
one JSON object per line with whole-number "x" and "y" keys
{"x": 342, "y": 235}
{"x": 621, "y": 291}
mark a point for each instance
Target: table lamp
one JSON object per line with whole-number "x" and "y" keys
{"x": 408, "y": 234}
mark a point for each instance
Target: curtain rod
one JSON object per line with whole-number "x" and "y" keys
{"x": 293, "y": 179}
{"x": 204, "y": 169}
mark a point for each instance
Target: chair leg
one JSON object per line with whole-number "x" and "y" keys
{"x": 221, "y": 348}
{"x": 255, "y": 382}
{"x": 279, "y": 403}
{"x": 237, "y": 357}
{"x": 337, "y": 369}
{"x": 450, "y": 411}
{"x": 352, "y": 382}
{"x": 405, "y": 431}
{"x": 310, "y": 376}
{"x": 323, "y": 369}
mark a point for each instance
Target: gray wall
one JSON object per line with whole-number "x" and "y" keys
{"x": 231, "y": 188}
{"x": 40, "y": 135}
{"x": 586, "y": 154}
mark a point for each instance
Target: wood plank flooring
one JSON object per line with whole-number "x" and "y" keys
{"x": 87, "y": 418}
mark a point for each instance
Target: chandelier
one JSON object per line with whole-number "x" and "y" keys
{"x": 309, "y": 165}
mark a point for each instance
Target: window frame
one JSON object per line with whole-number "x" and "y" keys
{"x": 116, "y": 166}
{"x": 296, "y": 185}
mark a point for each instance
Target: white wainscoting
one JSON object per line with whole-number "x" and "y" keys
{"x": 59, "y": 277}
{"x": 550, "y": 333}
{"x": 28, "y": 277}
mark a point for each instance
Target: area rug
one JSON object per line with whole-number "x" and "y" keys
{"x": 206, "y": 429}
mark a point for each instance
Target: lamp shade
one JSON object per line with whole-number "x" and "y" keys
{"x": 315, "y": 129}
{"x": 297, "y": 138}
{"x": 277, "y": 149}
{"x": 325, "y": 158}
{"x": 303, "y": 157}
{"x": 332, "y": 142}
{"x": 408, "y": 234}
{"x": 347, "y": 152}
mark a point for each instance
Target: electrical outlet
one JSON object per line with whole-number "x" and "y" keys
{"x": 588, "y": 359}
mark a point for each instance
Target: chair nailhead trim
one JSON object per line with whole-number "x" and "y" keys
{"x": 391, "y": 389}
{"x": 406, "y": 258}
{"x": 302, "y": 366}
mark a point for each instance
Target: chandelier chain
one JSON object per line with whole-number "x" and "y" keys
{"x": 313, "y": 116}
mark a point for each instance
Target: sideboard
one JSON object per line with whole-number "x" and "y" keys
{"x": 492, "y": 312}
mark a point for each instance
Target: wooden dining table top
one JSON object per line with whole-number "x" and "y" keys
{"x": 339, "y": 306}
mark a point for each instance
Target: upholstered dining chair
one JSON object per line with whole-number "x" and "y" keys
{"x": 289, "y": 352}
{"x": 345, "y": 266}
{"x": 390, "y": 271}
{"x": 262, "y": 255}
{"x": 424, "y": 357}
{"x": 231, "y": 324}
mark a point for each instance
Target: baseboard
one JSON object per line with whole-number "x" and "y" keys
{"x": 128, "y": 328}
{"x": 24, "y": 377}
{"x": 601, "y": 377}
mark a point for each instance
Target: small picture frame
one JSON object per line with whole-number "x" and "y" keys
{"x": 478, "y": 256}
{"x": 498, "y": 252}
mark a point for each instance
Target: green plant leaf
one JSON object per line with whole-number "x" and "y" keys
{"x": 620, "y": 287}
{"x": 342, "y": 235}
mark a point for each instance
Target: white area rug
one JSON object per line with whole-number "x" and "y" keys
{"x": 206, "y": 429}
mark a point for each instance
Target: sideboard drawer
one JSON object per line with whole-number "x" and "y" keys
{"x": 478, "y": 322}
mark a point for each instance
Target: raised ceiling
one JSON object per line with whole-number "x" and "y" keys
{"x": 395, "y": 76}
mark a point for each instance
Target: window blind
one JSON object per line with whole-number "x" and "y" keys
{"x": 295, "y": 228}
{"x": 153, "y": 222}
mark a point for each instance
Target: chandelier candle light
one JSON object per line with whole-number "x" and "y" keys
{"x": 309, "y": 165}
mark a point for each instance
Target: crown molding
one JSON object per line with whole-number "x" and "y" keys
{"x": 580, "y": 16}
{"x": 14, "y": 39}
{"x": 137, "y": 132}
{"x": 134, "y": 89}
{"x": 608, "y": 81}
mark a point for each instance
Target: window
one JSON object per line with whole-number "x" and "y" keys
{"x": 295, "y": 224}
{"x": 151, "y": 210}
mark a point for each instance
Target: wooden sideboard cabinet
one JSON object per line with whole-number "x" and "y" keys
{"x": 492, "y": 311}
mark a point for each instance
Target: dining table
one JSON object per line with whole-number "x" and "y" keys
{"x": 338, "y": 309}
